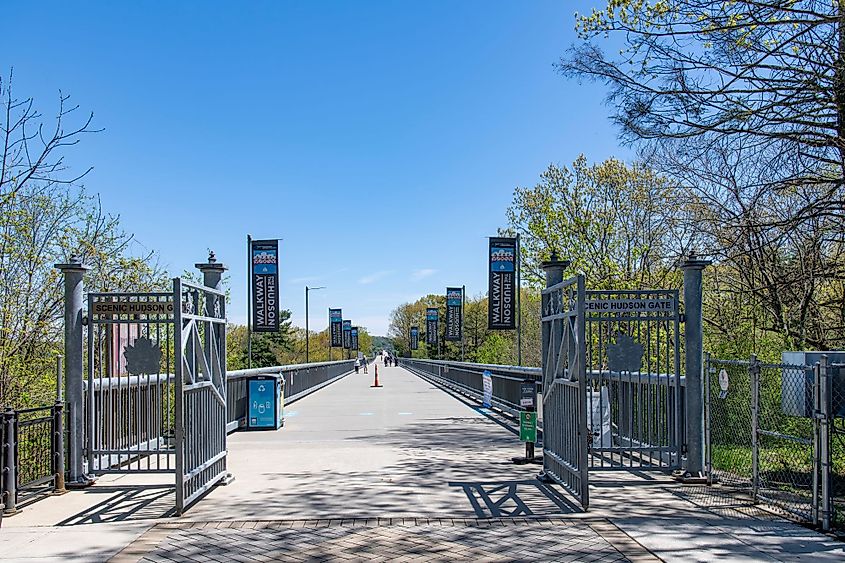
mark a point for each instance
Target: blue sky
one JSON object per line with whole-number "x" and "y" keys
{"x": 381, "y": 140}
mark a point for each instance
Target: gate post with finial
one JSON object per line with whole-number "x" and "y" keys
{"x": 74, "y": 286}
{"x": 693, "y": 267}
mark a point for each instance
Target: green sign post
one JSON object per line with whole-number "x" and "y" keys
{"x": 528, "y": 426}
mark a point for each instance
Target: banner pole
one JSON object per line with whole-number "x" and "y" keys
{"x": 248, "y": 301}
{"x": 437, "y": 334}
{"x": 518, "y": 302}
{"x": 463, "y": 302}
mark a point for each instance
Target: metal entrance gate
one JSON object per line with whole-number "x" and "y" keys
{"x": 130, "y": 387}
{"x": 156, "y": 389}
{"x": 611, "y": 382}
{"x": 565, "y": 388}
{"x": 633, "y": 368}
{"x": 200, "y": 391}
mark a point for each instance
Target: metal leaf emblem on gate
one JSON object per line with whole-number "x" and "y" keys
{"x": 143, "y": 357}
{"x": 625, "y": 354}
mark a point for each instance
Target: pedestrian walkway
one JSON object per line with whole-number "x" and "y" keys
{"x": 395, "y": 473}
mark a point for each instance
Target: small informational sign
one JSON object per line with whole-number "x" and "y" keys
{"x": 527, "y": 394}
{"x": 112, "y": 308}
{"x": 598, "y": 417}
{"x": 487, "y": 385}
{"x": 528, "y": 426}
{"x": 336, "y": 324}
{"x": 648, "y": 305}
{"x": 724, "y": 383}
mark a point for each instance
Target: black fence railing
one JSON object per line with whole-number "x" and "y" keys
{"x": 32, "y": 456}
{"x": 300, "y": 380}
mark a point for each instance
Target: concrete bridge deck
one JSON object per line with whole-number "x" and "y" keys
{"x": 402, "y": 472}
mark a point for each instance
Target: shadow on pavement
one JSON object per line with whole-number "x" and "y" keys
{"x": 126, "y": 504}
{"x": 515, "y": 498}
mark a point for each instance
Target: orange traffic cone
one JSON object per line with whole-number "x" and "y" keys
{"x": 375, "y": 383}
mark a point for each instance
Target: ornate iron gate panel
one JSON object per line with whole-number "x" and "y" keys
{"x": 565, "y": 388}
{"x": 129, "y": 396}
{"x": 200, "y": 390}
{"x": 633, "y": 371}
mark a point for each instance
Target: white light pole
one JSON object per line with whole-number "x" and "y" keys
{"x": 308, "y": 332}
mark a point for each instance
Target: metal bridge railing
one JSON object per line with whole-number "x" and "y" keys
{"x": 135, "y": 420}
{"x": 300, "y": 380}
{"x": 467, "y": 378}
{"x": 31, "y": 453}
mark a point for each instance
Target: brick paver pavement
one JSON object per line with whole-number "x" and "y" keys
{"x": 386, "y": 539}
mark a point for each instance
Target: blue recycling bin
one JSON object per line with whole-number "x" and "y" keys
{"x": 265, "y": 394}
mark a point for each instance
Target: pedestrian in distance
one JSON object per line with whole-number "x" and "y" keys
{"x": 357, "y": 365}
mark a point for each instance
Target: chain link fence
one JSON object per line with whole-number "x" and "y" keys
{"x": 837, "y": 447}
{"x": 729, "y": 435}
{"x": 774, "y": 435}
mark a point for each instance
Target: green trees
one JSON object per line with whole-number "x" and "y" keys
{"x": 480, "y": 344}
{"x": 286, "y": 346}
{"x": 614, "y": 221}
{"x": 767, "y": 73}
{"x": 742, "y": 106}
{"x": 46, "y": 216}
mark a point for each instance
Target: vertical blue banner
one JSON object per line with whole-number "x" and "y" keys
{"x": 264, "y": 259}
{"x": 454, "y": 313}
{"x": 501, "y": 297}
{"x": 336, "y": 327}
{"x": 347, "y": 334}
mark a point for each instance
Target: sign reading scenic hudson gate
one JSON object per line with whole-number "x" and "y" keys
{"x": 108, "y": 308}
{"x": 648, "y": 305}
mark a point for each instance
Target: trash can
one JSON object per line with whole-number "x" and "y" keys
{"x": 265, "y": 394}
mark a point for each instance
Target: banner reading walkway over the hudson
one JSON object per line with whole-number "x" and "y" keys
{"x": 347, "y": 334}
{"x": 454, "y": 313}
{"x": 336, "y": 324}
{"x": 432, "y": 317}
{"x": 415, "y": 338}
{"x": 502, "y": 296}
{"x": 265, "y": 285}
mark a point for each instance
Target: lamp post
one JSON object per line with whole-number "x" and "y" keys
{"x": 308, "y": 332}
